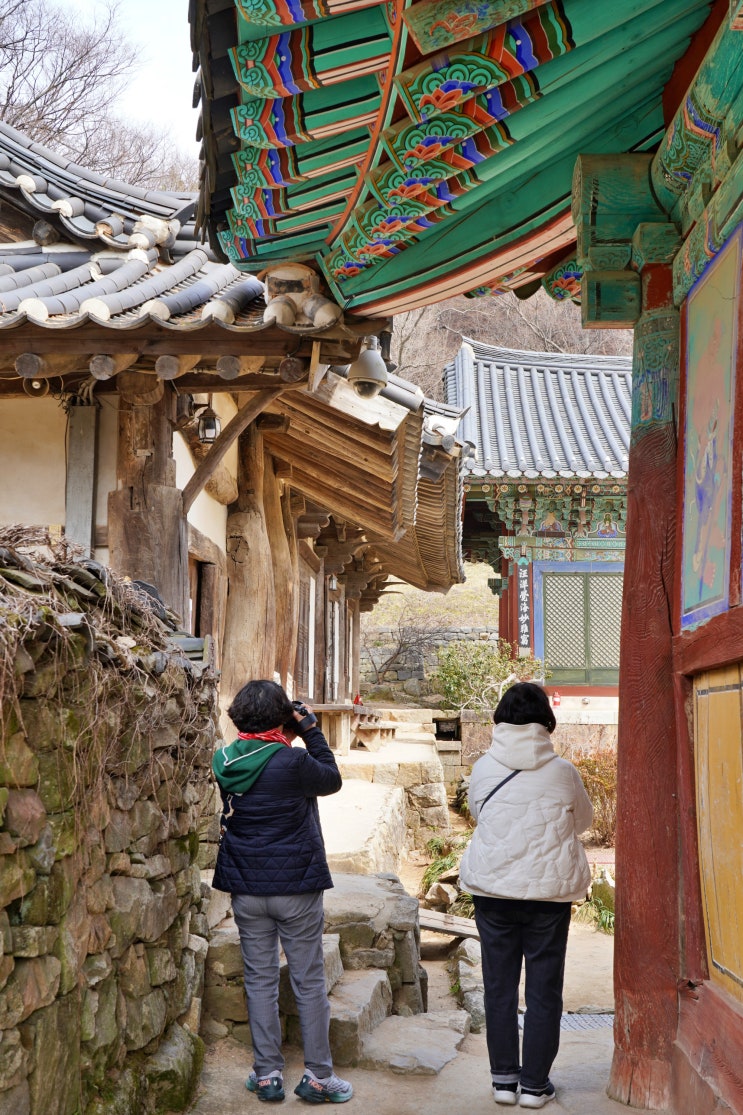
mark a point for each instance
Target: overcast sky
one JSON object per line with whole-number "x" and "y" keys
{"x": 161, "y": 91}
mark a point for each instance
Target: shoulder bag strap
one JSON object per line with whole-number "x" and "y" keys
{"x": 508, "y": 778}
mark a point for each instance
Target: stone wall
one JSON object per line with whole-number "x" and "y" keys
{"x": 413, "y": 674}
{"x": 106, "y": 740}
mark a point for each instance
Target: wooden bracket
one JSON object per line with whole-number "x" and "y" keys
{"x": 247, "y": 414}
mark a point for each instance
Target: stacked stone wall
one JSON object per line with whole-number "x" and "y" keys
{"x": 106, "y": 739}
{"x": 413, "y": 674}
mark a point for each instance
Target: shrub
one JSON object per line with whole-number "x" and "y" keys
{"x": 475, "y": 675}
{"x": 594, "y": 912}
{"x": 598, "y": 769}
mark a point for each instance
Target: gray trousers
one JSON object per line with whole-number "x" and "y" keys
{"x": 297, "y": 921}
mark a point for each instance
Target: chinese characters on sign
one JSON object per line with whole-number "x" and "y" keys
{"x": 524, "y": 610}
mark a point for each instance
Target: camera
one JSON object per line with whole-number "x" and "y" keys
{"x": 308, "y": 718}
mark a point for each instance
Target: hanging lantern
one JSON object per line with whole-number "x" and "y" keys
{"x": 208, "y": 426}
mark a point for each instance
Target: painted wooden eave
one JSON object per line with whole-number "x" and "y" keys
{"x": 548, "y": 415}
{"x": 358, "y": 461}
{"x": 369, "y": 466}
{"x": 461, "y": 183}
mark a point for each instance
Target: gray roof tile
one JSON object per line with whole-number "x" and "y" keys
{"x": 542, "y": 414}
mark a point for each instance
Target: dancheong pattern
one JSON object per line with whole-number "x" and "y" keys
{"x": 490, "y": 60}
{"x": 413, "y": 149}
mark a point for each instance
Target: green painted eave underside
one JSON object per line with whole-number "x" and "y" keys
{"x": 604, "y": 96}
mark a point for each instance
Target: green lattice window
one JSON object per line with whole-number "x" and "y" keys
{"x": 582, "y": 616}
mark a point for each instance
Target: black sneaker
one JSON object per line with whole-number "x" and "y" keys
{"x": 334, "y": 1090}
{"x": 507, "y": 1094}
{"x": 534, "y": 1099}
{"x": 270, "y": 1089}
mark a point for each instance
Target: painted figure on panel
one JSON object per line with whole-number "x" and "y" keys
{"x": 711, "y": 331}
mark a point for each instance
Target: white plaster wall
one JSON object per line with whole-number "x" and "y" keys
{"x": 206, "y": 514}
{"x": 32, "y": 462}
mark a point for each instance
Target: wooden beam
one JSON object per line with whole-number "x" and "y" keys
{"x": 232, "y": 367}
{"x": 173, "y": 367}
{"x": 29, "y": 365}
{"x": 105, "y": 366}
{"x": 153, "y": 339}
{"x": 231, "y": 432}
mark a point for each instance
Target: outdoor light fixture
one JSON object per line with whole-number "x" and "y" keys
{"x": 208, "y": 426}
{"x": 385, "y": 345}
{"x": 368, "y": 373}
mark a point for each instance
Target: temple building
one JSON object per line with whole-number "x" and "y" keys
{"x": 545, "y": 501}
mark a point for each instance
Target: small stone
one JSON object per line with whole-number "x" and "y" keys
{"x": 18, "y": 764}
{"x": 25, "y": 816}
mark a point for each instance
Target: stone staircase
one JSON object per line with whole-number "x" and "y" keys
{"x": 377, "y": 987}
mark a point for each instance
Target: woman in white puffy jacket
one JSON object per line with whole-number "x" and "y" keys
{"x": 524, "y": 867}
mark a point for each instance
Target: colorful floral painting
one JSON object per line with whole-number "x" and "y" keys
{"x": 711, "y": 348}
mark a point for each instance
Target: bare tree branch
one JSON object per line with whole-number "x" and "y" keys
{"x": 58, "y": 77}
{"x": 424, "y": 341}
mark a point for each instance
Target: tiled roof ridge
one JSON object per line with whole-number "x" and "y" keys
{"x": 577, "y": 361}
{"x": 529, "y": 417}
{"x": 91, "y": 206}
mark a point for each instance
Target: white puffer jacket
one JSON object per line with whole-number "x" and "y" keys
{"x": 526, "y": 841}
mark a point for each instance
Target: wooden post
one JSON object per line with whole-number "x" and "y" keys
{"x": 81, "y": 475}
{"x": 646, "y": 952}
{"x": 250, "y": 625}
{"x": 290, "y": 529}
{"x": 283, "y": 573}
{"x": 146, "y": 525}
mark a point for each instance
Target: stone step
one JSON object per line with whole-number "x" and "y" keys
{"x": 419, "y": 1045}
{"x": 333, "y": 973}
{"x": 359, "y": 1003}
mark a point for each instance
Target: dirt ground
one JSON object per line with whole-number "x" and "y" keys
{"x": 580, "y": 1073}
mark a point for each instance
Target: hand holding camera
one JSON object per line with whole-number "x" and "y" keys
{"x": 304, "y": 718}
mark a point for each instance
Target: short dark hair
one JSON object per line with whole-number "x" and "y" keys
{"x": 260, "y": 706}
{"x": 525, "y": 703}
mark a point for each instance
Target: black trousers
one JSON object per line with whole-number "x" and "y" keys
{"x": 512, "y": 931}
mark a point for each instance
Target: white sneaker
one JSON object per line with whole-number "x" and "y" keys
{"x": 506, "y": 1094}
{"x": 537, "y": 1099}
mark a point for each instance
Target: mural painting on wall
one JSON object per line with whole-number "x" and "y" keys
{"x": 711, "y": 349}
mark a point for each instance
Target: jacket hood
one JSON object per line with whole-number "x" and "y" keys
{"x": 237, "y": 765}
{"x": 521, "y": 746}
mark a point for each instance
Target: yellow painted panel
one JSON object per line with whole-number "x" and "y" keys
{"x": 718, "y": 738}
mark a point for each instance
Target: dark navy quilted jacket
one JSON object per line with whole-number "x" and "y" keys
{"x": 272, "y": 841}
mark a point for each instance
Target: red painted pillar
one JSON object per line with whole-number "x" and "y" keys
{"x": 646, "y": 957}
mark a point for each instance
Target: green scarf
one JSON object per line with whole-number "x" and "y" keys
{"x": 237, "y": 766}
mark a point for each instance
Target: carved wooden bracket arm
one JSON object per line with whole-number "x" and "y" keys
{"x": 229, "y": 434}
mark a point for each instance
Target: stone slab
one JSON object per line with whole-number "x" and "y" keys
{"x": 364, "y": 827}
{"x": 358, "y": 1004}
{"x": 420, "y": 1045}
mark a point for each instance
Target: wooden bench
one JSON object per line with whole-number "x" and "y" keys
{"x": 335, "y": 722}
{"x": 438, "y": 922}
{"x": 371, "y": 732}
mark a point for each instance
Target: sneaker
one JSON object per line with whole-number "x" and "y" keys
{"x": 270, "y": 1089}
{"x": 332, "y": 1090}
{"x": 507, "y": 1094}
{"x": 534, "y": 1099}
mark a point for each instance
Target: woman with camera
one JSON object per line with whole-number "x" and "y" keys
{"x": 272, "y": 861}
